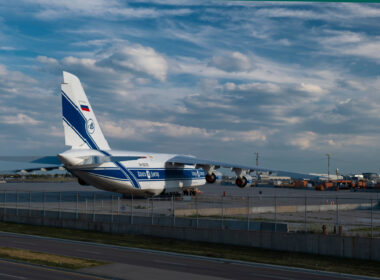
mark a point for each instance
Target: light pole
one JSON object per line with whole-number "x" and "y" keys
{"x": 257, "y": 165}
{"x": 328, "y": 167}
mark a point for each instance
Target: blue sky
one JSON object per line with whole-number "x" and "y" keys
{"x": 217, "y": 79}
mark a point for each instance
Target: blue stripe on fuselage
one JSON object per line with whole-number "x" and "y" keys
{"x": 126, "y": 172}
{"x": 151, "y": 174}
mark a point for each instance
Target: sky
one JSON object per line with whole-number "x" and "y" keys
{"x": 217, "y": 79}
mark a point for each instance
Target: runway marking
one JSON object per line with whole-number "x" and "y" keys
{"x": 168, "y": 262}
{"x": 12, "y": 276}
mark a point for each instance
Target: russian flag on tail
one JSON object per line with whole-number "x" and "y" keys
{"x": 85, "y": 108}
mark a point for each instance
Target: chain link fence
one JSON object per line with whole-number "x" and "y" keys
{"x": 317, "y": 214}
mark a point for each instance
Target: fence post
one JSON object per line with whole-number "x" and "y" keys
{"x": 172, "y": 206}
{"x": 147, "y": 206}
{"x": 111, "y": 208}
{"x": 196, "y": 210}
{"x": 76, "y": 208}
{"x": 337, "y": 214}
{"x": 132, "y": 209}
{"x": 305, "y": 221}
{"x": 222, "y": 204}
{"x": 371, "y": 217}
{"x": 151, "y": 211}
{"x": 118, "y": 208}
{"x": 30, "y": 204}
{"x": 248, "y": 212}
{"x": 275, "y": 212}
{"x": 93, "y": 206}
{"x": 16, "y": 203}
{"x": 5, "y": 203}
{"x": 43, "y": 203}
{"x": 59, "y": 205}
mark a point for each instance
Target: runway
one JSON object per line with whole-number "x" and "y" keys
{"x": 132, "y": 263}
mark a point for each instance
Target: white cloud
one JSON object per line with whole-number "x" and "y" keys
{"x": 304, "y": 140}
{"x": 310, "y": 88}
{"x": 369, "y": 49}
{"x": 140, "y": 129}
{"x": 140, "y": 59}
{"x": 47, "y": 60}
{"x": 53, "y": 9}
{"x": 309, "y": 140}
{"x": 265, "y": 87}
{"x": 14, "y": 83}
{"x": 231, "y": 62}
{"x": 143, "y": 129}
{"x": 19, "y": 119}
{"x": 122, "y": 63}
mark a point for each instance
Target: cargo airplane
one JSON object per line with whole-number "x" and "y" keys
{"x": 93, "y": 162}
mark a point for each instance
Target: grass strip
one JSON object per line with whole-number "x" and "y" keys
{"x": 302, "y": 260}
{"x": 47, "y": 259}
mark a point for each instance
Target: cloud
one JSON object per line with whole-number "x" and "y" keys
{"x": 138, "y": 59}
{"x": 231, "y": 62}
{"x": 116, "y": 63}
{"x": 264, "y": 87}
{"x": 245, "y": 136}
{"x": 19, "y": 119}
{"x": 310, "y": 88}
{"x": 304, "y": 140}
{"x": 140, "y": 129}
{"x": 369, "y": 49}
{"x": 13, "y": 83}
{"x": 47, "y": 60}
{"x": 143, "y": 129}
{"x": 55, "y": 9}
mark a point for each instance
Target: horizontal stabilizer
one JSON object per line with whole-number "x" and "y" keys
{"x": 33, "y": 159}
{"x": 54, "y": 160}
{"x": 102, "y": 159}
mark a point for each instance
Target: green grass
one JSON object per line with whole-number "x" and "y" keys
{"x": 370, "y": 268}
{"x": 365, "y": 229}
{"x": 47, "y": 259}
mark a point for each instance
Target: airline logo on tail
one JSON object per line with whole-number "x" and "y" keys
{"x": 90, "y": 126}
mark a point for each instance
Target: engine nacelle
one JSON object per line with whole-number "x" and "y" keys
{"x": 243, "y": 181}
{"x": 82, "y": 182}
{"x": 214, "y": 177}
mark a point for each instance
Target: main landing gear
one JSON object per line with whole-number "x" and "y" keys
{"x": 190, "y": 192}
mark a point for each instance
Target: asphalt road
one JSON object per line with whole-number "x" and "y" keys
{"x": 20, "y": 271}
{"x": 131, "y": 263}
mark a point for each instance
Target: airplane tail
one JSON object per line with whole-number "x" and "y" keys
{"x": 82, "y": 130}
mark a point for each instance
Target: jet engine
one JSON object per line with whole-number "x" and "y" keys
{"x": 243, "y": 181}
{"x": 213, "y": 177}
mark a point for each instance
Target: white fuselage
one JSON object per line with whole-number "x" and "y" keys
{"x": 149, "y": 175}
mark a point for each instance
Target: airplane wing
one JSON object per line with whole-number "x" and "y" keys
{"x": 216, "y": 164}
{"x": 242, "y": 171}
